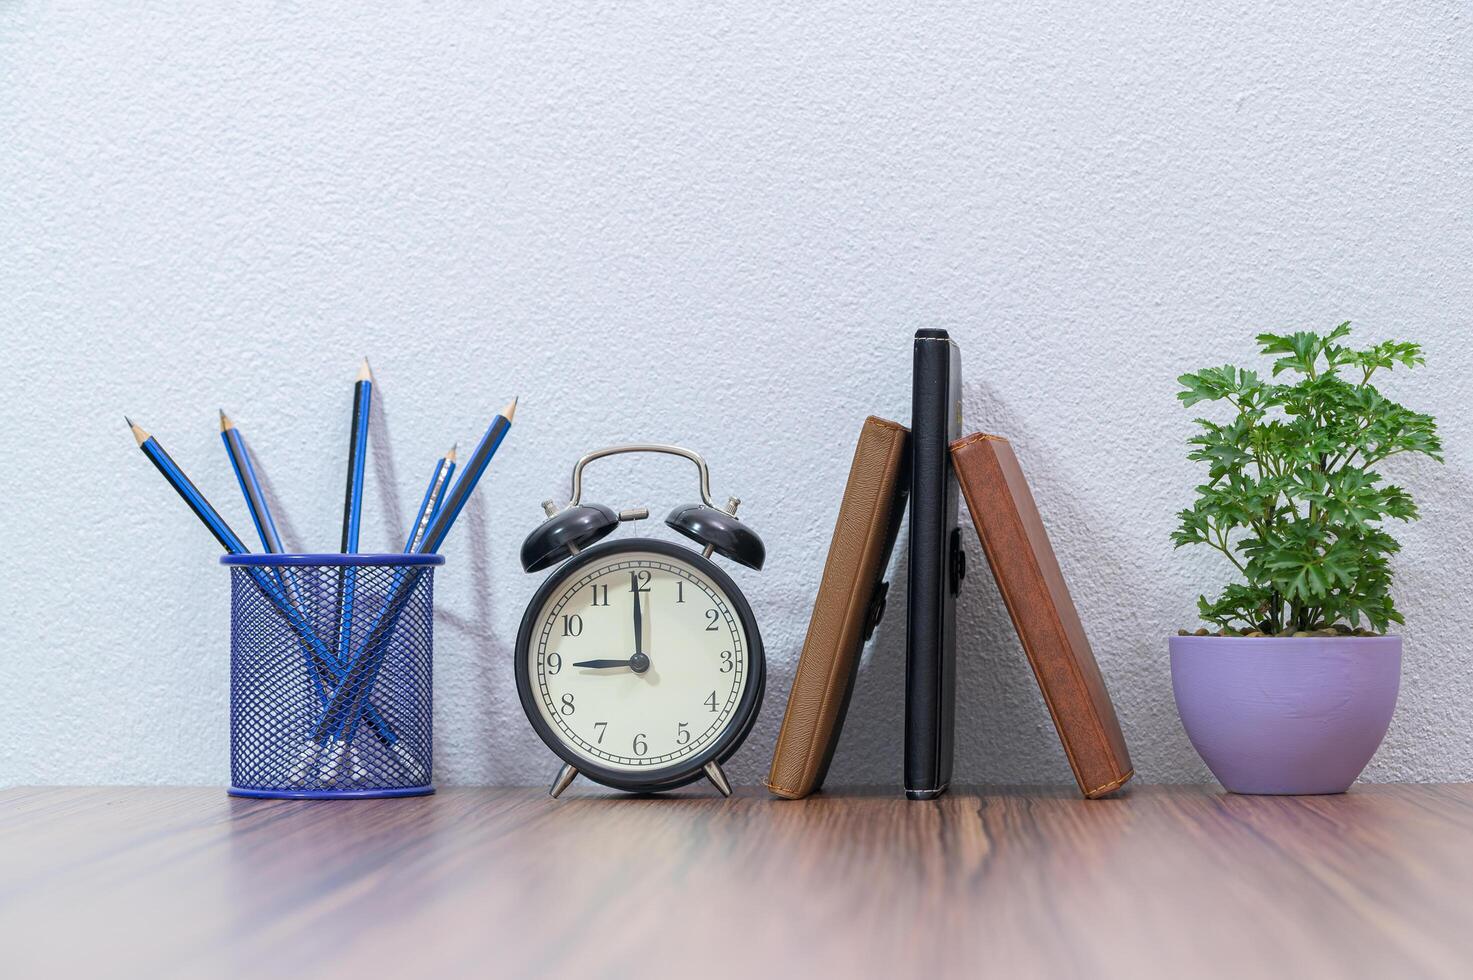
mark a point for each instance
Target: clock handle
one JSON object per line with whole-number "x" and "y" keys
{"x": 691, "y": 455}
{"x": 718, "y": 778}
{"x": 565, "y": 776}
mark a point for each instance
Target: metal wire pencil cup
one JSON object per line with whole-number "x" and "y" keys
{"x": 316, "y": 713}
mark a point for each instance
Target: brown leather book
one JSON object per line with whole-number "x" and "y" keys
{"x": 851, "y": 600}
{"x": 1043, "y": 614}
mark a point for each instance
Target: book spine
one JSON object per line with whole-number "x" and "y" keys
{"x": 930, "y": 631}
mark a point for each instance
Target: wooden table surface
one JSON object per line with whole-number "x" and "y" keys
{"x": 1182, "y": 882}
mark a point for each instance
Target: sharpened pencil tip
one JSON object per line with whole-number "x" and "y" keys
{"x": 510, "y": 411}
{"x": 450, "y": 456}
{"x": 138, "y": 430}
{"x": 365, "y": 373}
{"x": 225, "y": 423}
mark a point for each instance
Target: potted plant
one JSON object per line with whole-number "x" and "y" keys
{"x": 1293, "y": 689}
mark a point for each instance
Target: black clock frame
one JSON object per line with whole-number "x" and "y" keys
{"x": 688, "y": 770}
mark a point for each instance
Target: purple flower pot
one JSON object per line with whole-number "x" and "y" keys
{"x": 1283, "y": 715}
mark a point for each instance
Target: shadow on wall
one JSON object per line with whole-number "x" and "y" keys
{"x": 872, "y": 747}
{"x": 492, "y": 689}
{"x": 1419, "y": 729}
{"x": 280, "y": 513}
{"x": 1129, "y": 644}
{"x": 385, "y": 473}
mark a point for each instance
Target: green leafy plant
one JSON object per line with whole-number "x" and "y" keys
{"x": 1292, "y": 497}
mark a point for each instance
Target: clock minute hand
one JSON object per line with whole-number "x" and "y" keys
{"x": 638, "y": 615}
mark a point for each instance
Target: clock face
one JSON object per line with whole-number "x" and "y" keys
{"x": 637, "y": 660}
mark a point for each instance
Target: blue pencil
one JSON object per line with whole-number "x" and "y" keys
{"x": 434, "y": 498}
{"x": 434, "y": 535}
{"x": 353, "y": 502}
{"x": 231, "y": 542}
{"x": 208, "y": 516}
{"x": 357, "y": 454}
{"x": 339, "y": 718}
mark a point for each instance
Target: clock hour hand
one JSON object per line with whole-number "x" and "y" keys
{"x": 639, "y": 663}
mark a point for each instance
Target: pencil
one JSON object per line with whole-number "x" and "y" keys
{"x": 339, "y": 718}
{"x": 322, "y": 659}
{"x": 357, "y": 453}
{"x": 207, "y": 514}
{"x": 250, "y": 487}
{"x": 353, "y": 503}
{"x": 433, "y": 500}
{"x": 434, "y": 535}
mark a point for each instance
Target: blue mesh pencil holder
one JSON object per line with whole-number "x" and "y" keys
{"x": 330, "y": 675}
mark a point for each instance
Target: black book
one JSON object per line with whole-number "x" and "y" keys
{"x": 936, "y": 566}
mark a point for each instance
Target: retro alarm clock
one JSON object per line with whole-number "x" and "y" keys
{"x": 638, "y": 661}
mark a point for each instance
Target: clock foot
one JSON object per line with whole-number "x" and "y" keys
{"x": 565, "y": 776}
{"x": 718, "y": 778}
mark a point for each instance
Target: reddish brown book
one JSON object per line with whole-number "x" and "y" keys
{"x": 1038, "y": 601}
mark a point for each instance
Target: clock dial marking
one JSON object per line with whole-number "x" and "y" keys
{"x": 669, "y": 698}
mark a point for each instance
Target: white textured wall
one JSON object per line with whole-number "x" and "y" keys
{"x": 654, "y": 221}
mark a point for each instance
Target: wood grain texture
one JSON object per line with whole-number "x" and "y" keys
{"x": 1156, "y": 882}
